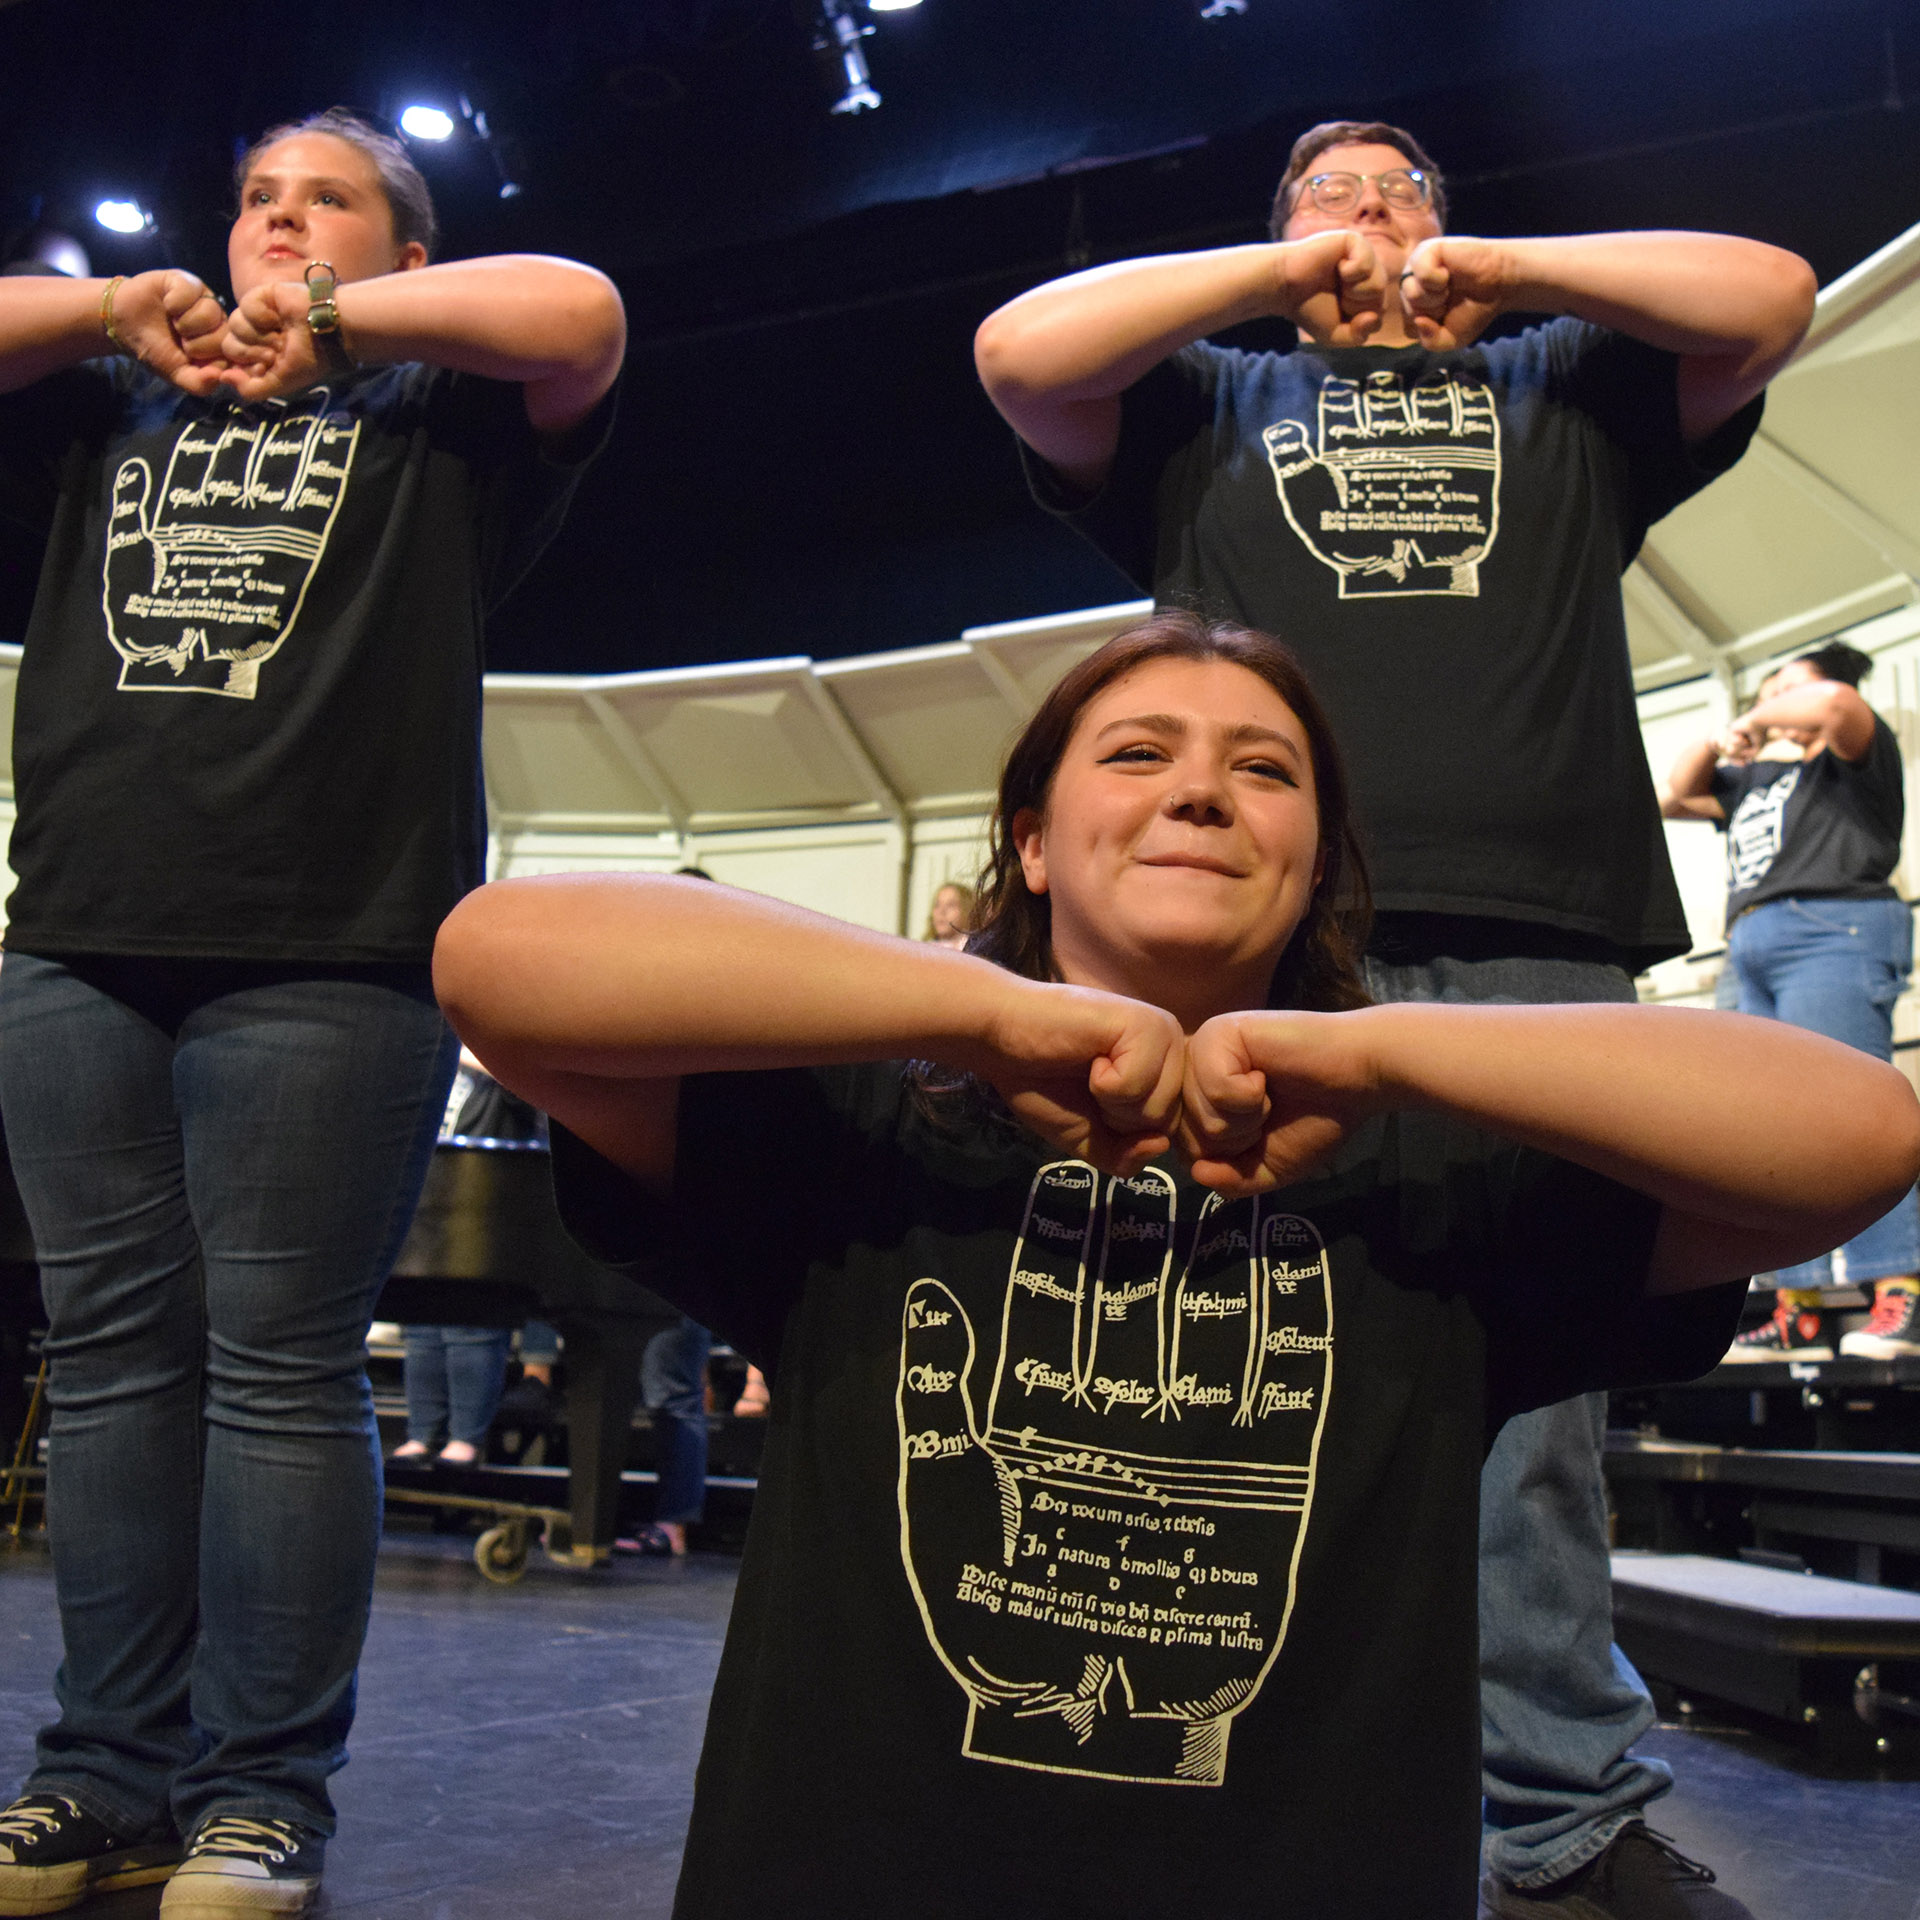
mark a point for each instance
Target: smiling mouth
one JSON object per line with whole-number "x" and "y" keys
{"x": 1193, "y": 863}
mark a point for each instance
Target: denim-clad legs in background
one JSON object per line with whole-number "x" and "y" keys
{"x": 673, "y": 1384}
{"x": 219, "y": 1161}
{"x": 1834, "y": 967}
{"x": 1560, "y": 1705}
{"x": 454, "y": 1376}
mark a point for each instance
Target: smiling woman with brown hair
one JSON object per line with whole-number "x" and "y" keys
{"x": 1114, "y": 1549}
{"x": 246, "y": 756}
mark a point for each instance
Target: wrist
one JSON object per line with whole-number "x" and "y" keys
{"x": 1383, "y": 1040}
{"x": 323, "y": 318}
{"x": 108, "y": 316}
{"x": 1525, "y": 279}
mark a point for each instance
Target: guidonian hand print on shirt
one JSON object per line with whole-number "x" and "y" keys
{"x": 1756, "y": 831}
{"x": 1398, "y": 491}
{"x": 206, "y": 573}
{"x": 1105, "y": 1563}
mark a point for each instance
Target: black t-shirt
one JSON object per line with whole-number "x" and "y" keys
{"x": 248, "y": 712}
{"x": 1819, "y": 826}
{"x": 1440, "y": 536}
{"x": 1114, "y": 1551}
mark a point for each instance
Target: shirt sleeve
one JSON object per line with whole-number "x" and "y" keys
{"x": 1631, "y": 391}
{"x": 1730, "y": 785}
{"x": 40, "y": 423}
{"x": 1879, "y": 778}
{"x": 527, "y": 482}
{"x": 758, "y": 1159}
{"x": 1162, "y": 412}
{"x": 1567, "y": 1306}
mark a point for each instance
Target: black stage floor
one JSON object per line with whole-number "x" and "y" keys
{"x": 528, "y": 1751}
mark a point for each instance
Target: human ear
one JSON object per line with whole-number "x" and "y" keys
{"x": 412, "y": 255}
{"x": 1029, "y": 840}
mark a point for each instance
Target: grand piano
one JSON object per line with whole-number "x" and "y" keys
{"x": 486, "y": 1249}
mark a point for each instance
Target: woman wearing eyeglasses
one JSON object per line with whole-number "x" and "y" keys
{"x": 1441, "y": 521}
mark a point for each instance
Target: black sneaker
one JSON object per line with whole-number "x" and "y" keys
{"x": 53, "y": 1854}
{"x": 1790, "y": 1333}
{"x": 236, "y": 1865}
{"x": 1639, "y": 1875}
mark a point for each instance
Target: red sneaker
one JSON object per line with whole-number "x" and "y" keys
{"x": 1892, "y": 1331}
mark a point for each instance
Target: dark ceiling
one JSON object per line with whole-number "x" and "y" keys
{"x": 803, "y": 462}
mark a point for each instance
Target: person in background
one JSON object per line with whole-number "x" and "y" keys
{"x": 950, "y": 915}
{"x": 1809, "y": 788}
{"x": 1440, "y": 521}
{"x": 673, "y": 1387}
{"x": 246, "y": 759}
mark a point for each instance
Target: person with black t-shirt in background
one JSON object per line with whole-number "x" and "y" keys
{"x": 1810, "y": 790}
{"x": 1139, "y": 1308}
{"x": 248, "y": 786}
{"x": 1442, "y": 523}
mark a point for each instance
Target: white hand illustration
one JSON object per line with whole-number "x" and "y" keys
{"x": 205, "y": 581}
{"x": 1400, "y": 491}
{"x": 1105, "y": 1566}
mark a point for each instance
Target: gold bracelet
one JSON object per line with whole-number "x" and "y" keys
{"x": 106, "y": 316}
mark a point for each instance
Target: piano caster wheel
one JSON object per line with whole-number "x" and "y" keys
{"x": 501, "y": 1552}
{"x": 564, "y": 1551}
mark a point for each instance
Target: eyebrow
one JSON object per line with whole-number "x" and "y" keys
{"x": 1239, "y": 734}
{"x": 308, "y": 180}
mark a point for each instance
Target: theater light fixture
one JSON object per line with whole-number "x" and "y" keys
{"x": 890, "y": 6}
{"x": 837, "y": 33}
{"x": 123, "y": 216}
{"x": 427, "y": 123}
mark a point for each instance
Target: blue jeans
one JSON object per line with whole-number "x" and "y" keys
{"x": 454, "y": 1377}
{"x": 1560, "y": 1704}
{"x": 219, "y": 1161}
{"x": 1834, "y": 967}
{"x": 673, "y": 1383}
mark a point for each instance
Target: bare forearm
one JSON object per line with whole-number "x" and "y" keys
{"x": 1688, "y": 793}
{"x": 1749, "y": 1124}
{"x": 1843, "y": 720}
{"x": 47, "y": 324}
{"x": 646, "y": 978}
{"x": 1092, "y": 335}
{"x": 520, "y": 317}
{"x": 1704, "y": 294}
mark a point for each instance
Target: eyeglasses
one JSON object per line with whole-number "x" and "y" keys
{"x": 1403, "y": 187}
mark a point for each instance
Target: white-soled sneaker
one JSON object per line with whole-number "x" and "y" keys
{"x": 236, "y": 1865}
{"x": 1892, "y": 1331}
{"x": 54, "y": 1854}
{"x": 1788, "y": 1333}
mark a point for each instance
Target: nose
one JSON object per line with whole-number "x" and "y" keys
{"x": 1371, "y": 199}
{"x": 1201, "y": 797}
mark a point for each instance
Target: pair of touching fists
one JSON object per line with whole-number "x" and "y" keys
{"x": 1336, "y": 287}
{"x": 172, "y": 323}
{"x": 1251, "y": 1100}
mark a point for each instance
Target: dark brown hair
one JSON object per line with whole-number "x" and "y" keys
{"x": 1350, "y": 133}
{"x": 1320, "y": 969}
{"x": 409, "y": 200}
{"x": 1837, "y": 661}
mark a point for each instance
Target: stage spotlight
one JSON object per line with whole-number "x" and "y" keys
{"x": 890, "y": 6}
{"x": 1223, "y": 9}
{"x": 123, "y": 216}
{"x": 427, "y": 123}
